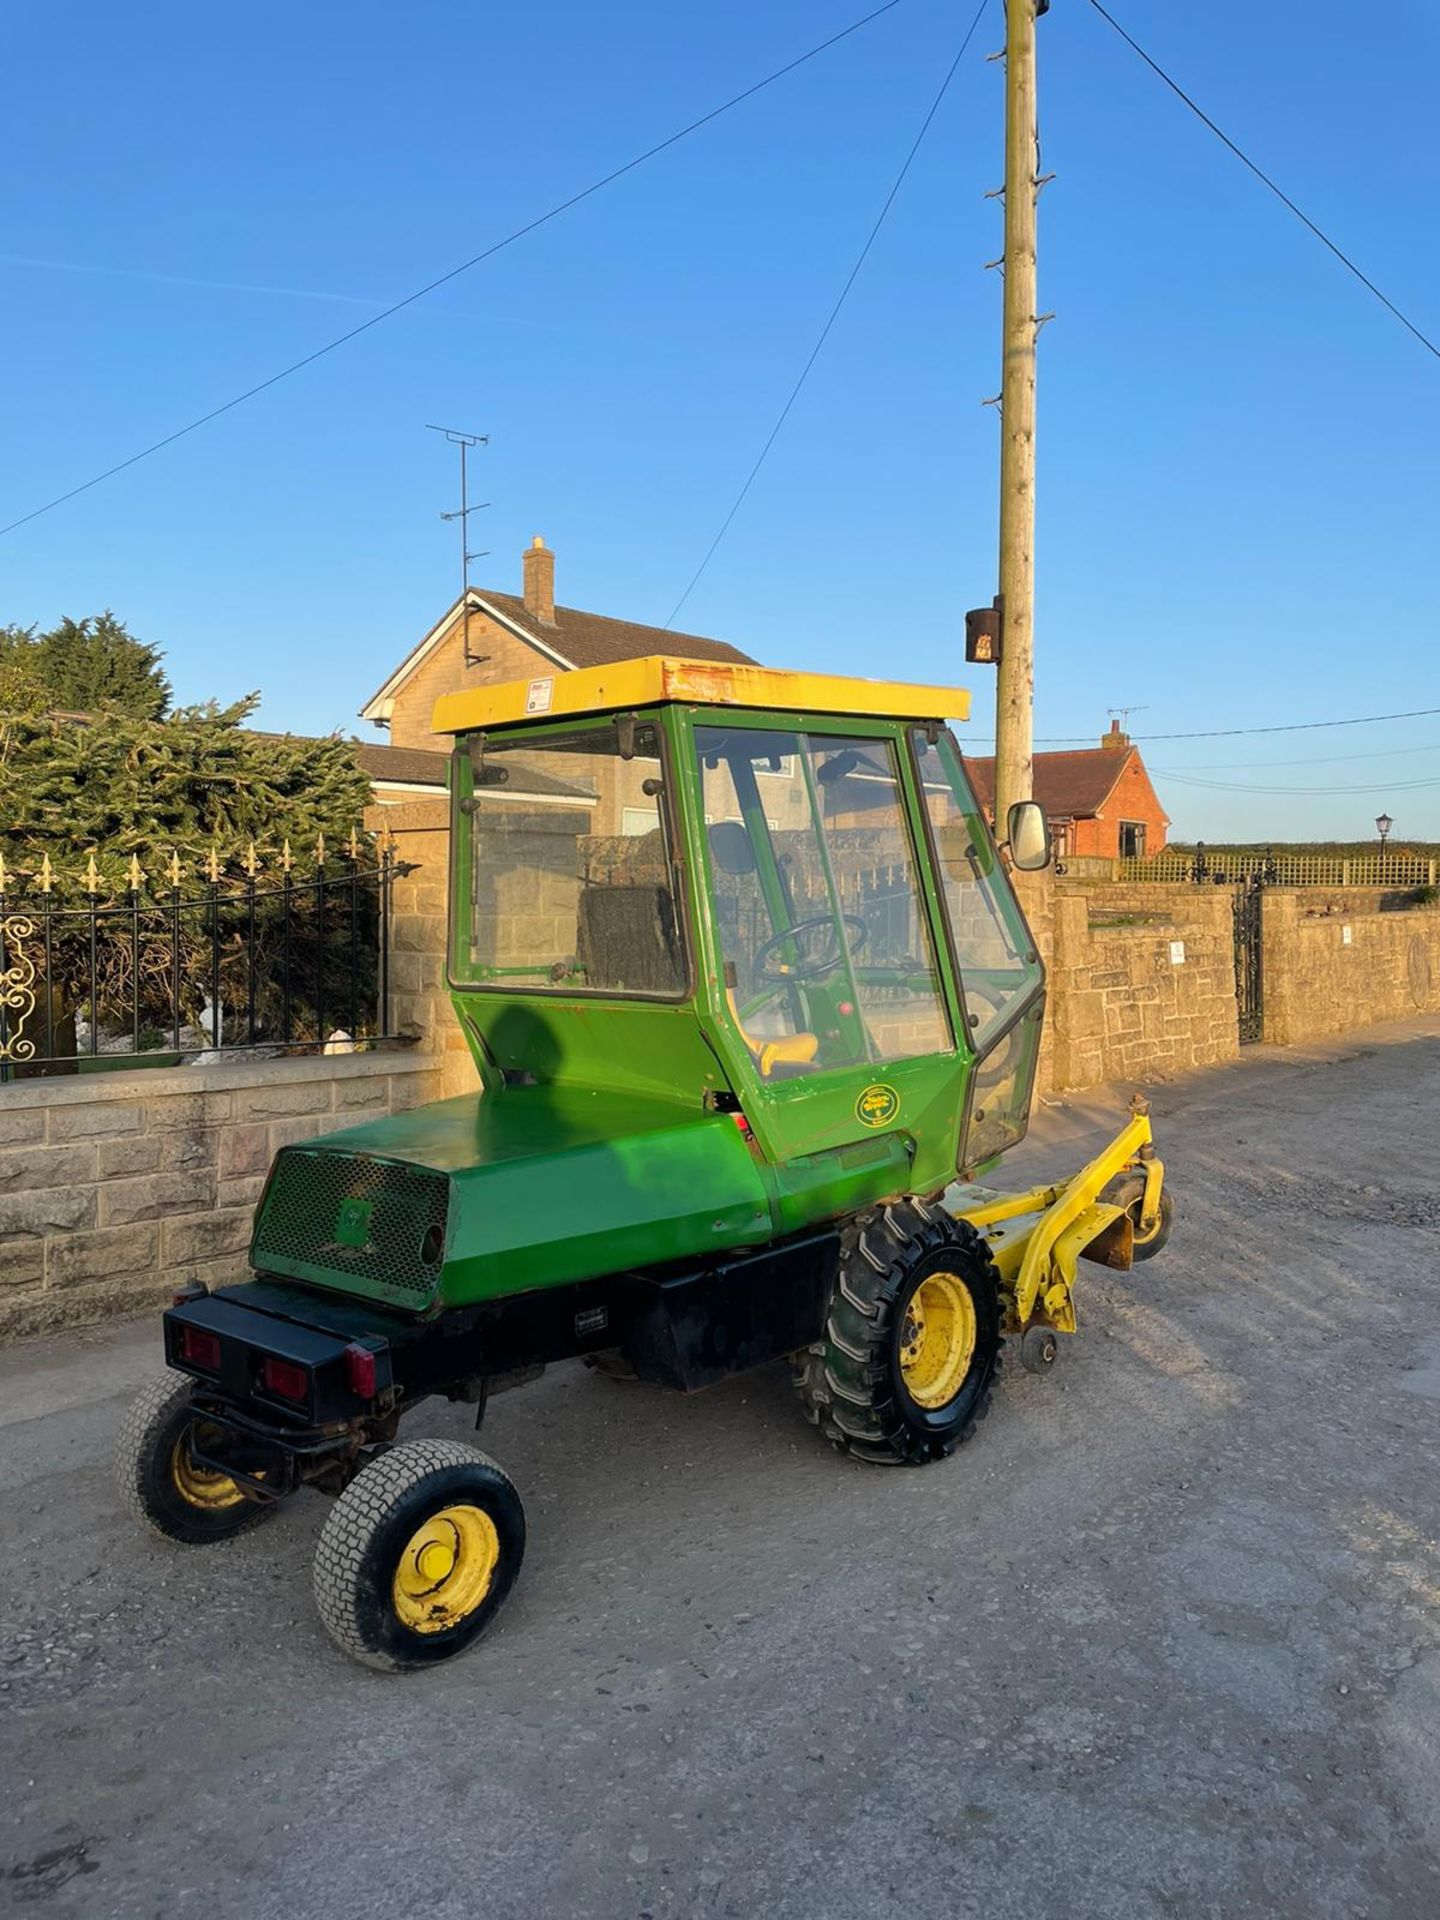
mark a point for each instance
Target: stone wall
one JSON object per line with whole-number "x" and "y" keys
{"x": 117, "y": 1188}
{"x": 419, "y": 996}
{"x": 1324, "y": 973}
{"x": 1142, "y": 988}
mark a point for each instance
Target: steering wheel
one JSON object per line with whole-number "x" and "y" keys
{"x": 823, "y": 962}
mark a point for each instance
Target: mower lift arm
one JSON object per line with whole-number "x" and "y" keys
{"x": 1070, "y": 1218}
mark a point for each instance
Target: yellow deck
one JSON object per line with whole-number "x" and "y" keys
{"x": 709, "y": 683}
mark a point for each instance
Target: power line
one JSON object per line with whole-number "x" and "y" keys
{"x": 1235, "y": 733}
{"x": 1266, "y": 181}
{"x": 1324, "y": 760}
{"x": 475, "y": 260}
{"x": 824, "y": 335}
{"x": 1235, "y": 786}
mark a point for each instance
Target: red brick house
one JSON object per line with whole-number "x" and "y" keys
{"x": 1098, "y": 800}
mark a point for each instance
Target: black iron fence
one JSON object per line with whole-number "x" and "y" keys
{"x": 251, "y": 960}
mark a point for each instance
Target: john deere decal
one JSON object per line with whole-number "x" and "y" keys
{"x": 877, "y": 1106}
{"x": 352, "y": 1224}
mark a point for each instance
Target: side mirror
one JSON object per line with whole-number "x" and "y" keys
{"x": 1027, "y": 833}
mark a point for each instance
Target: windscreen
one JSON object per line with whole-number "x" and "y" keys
{"x": 821, "y": 922}
{"x": 1000, "y": 971}
{"x": 999, "y": 968}
{"x": 570, "y": 887}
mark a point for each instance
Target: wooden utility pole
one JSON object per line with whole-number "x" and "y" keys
{"x": 1015, "y": 680}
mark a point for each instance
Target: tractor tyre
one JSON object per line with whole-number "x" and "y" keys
{"x": 418, "y": 1555}
{"x": 1129, "y": 1192}
{"x": 160, "y": 1481}
{"x": 912, "y": 1340}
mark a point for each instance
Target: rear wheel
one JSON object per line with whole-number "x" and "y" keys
{"x": 912, "y": 1339}
{"x": 161, "y": 1481}
{"x": 1129, "y": 1192}
{"x": 418, "y": 1554}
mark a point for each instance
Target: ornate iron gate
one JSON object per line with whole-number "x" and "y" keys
{"x": 1249, "y": 961}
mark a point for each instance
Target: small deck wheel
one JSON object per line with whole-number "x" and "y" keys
{"x": 163, "y": 1484}
{"x": 418, "y": 1555}
{"x": 1039, "y": 1349}
{"x": 1129, "y": 1192}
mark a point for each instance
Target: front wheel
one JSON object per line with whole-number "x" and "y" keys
{"x": 418, "y": 1555}
{"x": 161, "y": 1481}
{"x": 1129, "y": 1192}
{"x": 912, "y": 1339}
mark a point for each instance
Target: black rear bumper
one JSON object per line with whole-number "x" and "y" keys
{"x": 246, "y": 1332}
{"x": 686, "y": 1327}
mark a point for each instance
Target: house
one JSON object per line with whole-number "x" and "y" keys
{"x": 1098, "y": 800}
{"x": 487, "y": 638}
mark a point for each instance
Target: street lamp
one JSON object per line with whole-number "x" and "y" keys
{"x": 1383, "y": 824}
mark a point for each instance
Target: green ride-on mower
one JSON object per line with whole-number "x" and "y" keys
{"x": 754, "y": 1006}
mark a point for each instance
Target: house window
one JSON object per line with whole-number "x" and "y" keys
{"x": 1062, "y": 833}
{"x": 1132, "y": 839}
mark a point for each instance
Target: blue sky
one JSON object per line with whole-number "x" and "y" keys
{"x": 1237, "y": 486}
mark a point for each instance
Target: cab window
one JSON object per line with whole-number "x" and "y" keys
{"x": 998, "y": 966}
{"x": 570, "y": 887}
{"x": 826, "y": 947}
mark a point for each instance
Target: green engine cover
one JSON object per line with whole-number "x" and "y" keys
{"x": 467, "y": 1200}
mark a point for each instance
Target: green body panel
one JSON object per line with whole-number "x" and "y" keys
{"x": 647, "y": 1049}
{"x": 605, "y": 1137}
{"x": 552, "y": 1184}
{"x": 549, "y": 1185}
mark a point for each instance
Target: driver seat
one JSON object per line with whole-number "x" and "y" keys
{"x": 731, "y": 851}
{"x": 788, "y": 1049}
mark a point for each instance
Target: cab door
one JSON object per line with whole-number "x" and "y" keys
{"x": 822, "y": 945}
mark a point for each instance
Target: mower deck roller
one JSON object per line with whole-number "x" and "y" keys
{"x": 755, "y": 1012}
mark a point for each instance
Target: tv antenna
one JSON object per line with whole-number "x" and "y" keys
{"x": 465, "y": 441}
{"x": 1122, "y": 714}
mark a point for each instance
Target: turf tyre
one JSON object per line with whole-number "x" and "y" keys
{"x": 851, "y": 1385}
{"x": 157, "y": 1422}
{"x": 366, "y": 1531}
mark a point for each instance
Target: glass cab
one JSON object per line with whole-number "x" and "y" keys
{"x": 822, "y": 897}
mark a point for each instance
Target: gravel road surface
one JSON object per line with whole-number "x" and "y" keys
{"x": 1163, "y": 1641}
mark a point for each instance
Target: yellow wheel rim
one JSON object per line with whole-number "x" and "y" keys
{"x": 446, "y": 1569}
{"x": 198, "y": 1486}
{"x": 937, "y": 1340}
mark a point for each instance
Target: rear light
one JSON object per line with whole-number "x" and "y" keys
{"x": 285, "y": 1380}
{"x": 360, "y": 1372}
{"x": 200, "y": 1349}
{"x": 742, "y": 1124}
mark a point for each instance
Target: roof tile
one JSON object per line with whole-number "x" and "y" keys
{"x": 595, "y": 640}
{"x": 1068, "y": 785}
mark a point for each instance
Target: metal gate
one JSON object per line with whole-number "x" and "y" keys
{"x": 1249, "y": 963}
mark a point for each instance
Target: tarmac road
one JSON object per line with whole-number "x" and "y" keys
{"x": 1163, "y": 1641}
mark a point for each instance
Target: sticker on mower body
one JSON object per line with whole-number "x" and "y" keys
{"x": 877, "y": 1106}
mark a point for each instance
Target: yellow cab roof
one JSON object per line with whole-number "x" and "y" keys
{"x": 709, "y": 683}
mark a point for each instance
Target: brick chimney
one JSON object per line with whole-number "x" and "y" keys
{"x": 540, "y": 581}
{"x": 1114, "y": 740}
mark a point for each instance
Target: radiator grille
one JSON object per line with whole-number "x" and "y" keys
{"x": 341, "y": 1218}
